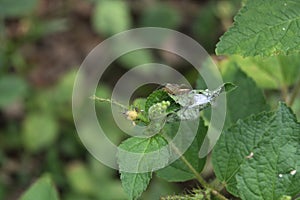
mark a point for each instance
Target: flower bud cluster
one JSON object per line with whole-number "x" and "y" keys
{"x": 159, "y": 109}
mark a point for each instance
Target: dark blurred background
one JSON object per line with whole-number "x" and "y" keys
{"x": 42, "y": 44}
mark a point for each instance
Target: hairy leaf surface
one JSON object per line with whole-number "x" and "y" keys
{"x": 263, "y": 28}
{"x": 256, "y": 157}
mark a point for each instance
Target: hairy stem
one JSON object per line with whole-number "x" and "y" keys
{"x": 94, "y": 97}
{"x": 203, "y": 183}
{"x": 284, "y": 93}
{"x": 284, "y": 87}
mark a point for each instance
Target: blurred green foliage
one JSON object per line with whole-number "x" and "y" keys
{"x": 42, "y": 43}
{"x": 160, "y": 15}
{"x": 10, "y": 8}
{"x": 35, "y": 126}
{"x": 42, "y": 189}
{"x": 13, "y": 87}
{"x": 111, "y": 17}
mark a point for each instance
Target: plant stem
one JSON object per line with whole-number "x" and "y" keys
{"x": 294, "y": 94}
{"x": 284, "y": 87}
{"x": 109, "y": 101}
{"x": 284, "y": 93}
{"x": 203, "y": 183}
{"x": 198, "y": 176}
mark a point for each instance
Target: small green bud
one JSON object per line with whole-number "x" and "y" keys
{"x": 164, "y": 107}
{"x": 285, "y": 197}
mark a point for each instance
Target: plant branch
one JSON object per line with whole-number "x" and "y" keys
{"x": 294, "y": 94}
{"x": 94, "y": 97}
{"x": 284, "y": 93}
{"x": 203, "y": 183}
{"x": 198, "y": 176}
{"x": 284, "y": 88}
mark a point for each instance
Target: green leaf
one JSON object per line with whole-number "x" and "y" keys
{"x": 9, "y": 8}
{"x": 256, "y": 157}
{"x": 246, "y": 99}
{"x": 232, "y": 148}
{"x": 160, "y": 15}
{"x": 276, "y": 160}
{"x": 263, "y": 28}
{"x": 133, "y": 155}
{"x": 43, "y": 188}
{"x": 178, "y": 170}
{"x": 12, "y": 88}
{"x": 39, "y": 132}
{"x": 139, "y": 103}
{"x": 229, "y": 87}
{"x": 296, "y": 106}
{"x": 272, "y": 72}
{"x": 111, "y": 17}
{"x": 135, "y": 184}
{"x": 290, "y": 66}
